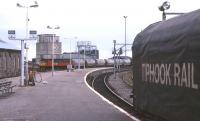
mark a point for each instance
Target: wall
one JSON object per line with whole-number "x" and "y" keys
{"x": 9, "y": 63}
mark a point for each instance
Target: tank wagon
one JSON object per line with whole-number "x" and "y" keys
{"x": 109, "y": 62}
{"x": 90, "y": 63}
{"x": 126, "y": 62}
{"x": 75, "y": 63}
{"x": 166, "y": 68}
{"x": 100, "y": 62}
{"x": 45, "y": 64}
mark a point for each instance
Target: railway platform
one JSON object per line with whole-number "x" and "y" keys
{"x": 64, "y": 98}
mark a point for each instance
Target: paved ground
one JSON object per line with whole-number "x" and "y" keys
{"x": 64, "y": 98}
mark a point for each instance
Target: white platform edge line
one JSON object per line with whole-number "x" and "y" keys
{"x": 103, "y": 98}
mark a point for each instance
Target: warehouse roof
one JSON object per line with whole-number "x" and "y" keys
{"x": 5, "y": 45}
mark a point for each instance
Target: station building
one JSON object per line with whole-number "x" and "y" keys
{"x": 10, "y": 58}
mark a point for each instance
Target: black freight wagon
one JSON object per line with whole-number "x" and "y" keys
{"x": 166, "y": 68}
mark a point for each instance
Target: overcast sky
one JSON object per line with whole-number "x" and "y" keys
{"x": 98, "y": 21}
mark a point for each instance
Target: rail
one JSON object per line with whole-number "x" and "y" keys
{"x": 105, "y": 93}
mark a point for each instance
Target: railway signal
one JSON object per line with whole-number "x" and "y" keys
{"x": 117, "y": 52}
{"x": 120, "y": 51}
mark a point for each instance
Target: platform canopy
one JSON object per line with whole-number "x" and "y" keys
{"x": 5, "y": 45}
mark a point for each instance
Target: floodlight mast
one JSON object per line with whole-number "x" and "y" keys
{"x": 22, "y": 42}
{"x": 125, "y": 17}
{"x": 52, "y": 57}
{"x": 35, "y": 5}
{"x": 70, "y": 54}
{"x": 114, "y": 52}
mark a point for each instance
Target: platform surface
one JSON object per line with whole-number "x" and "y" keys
{"x": 65, "y": 98}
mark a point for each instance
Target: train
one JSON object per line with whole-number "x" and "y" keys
{"x": 60, "y": 64}
{"x": 166, "y": 68}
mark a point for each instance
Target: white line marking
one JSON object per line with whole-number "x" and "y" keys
{"x": 103, "y": 98}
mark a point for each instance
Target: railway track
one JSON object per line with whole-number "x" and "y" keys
{"x": 100, "y": 84}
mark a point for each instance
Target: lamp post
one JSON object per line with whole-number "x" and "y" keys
{"x": 70, "y": 55}
{"x": 35, "y": 5}
{"x": 52, "y": 57}
{"x": 84, "y": 54}
{"x": 114, "y": 52}
{"x": 125, "y": 17}
{"x": 79, "y": 65}
{"x": 166, "y": 6}
{"x": 26, "y": 46}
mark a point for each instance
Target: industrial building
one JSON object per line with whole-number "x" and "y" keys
{"x": 86, "y": 48}
{"x": 44, "y": 53}
{"x": 44, "y": 47}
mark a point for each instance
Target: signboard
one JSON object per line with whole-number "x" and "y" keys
{"x": 11, "y": 34}
{"x": 33, "y": 34}
{"x": 166, "y": 68}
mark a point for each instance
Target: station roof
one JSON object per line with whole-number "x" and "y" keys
{"x": 5, "y": 45}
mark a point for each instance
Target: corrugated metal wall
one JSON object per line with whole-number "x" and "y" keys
{"x": 9, "y": 63}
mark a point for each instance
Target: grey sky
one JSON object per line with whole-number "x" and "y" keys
{"x": 99, "y": 21}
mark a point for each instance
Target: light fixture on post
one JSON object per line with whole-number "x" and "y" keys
{"x": 163, "y": 7}
{"x": 35, "y": 5}
{"x": 52, "y": 57}
{"x": 166, "y": 6}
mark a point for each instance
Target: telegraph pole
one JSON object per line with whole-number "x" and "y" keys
{"x": 125, "y": 33}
